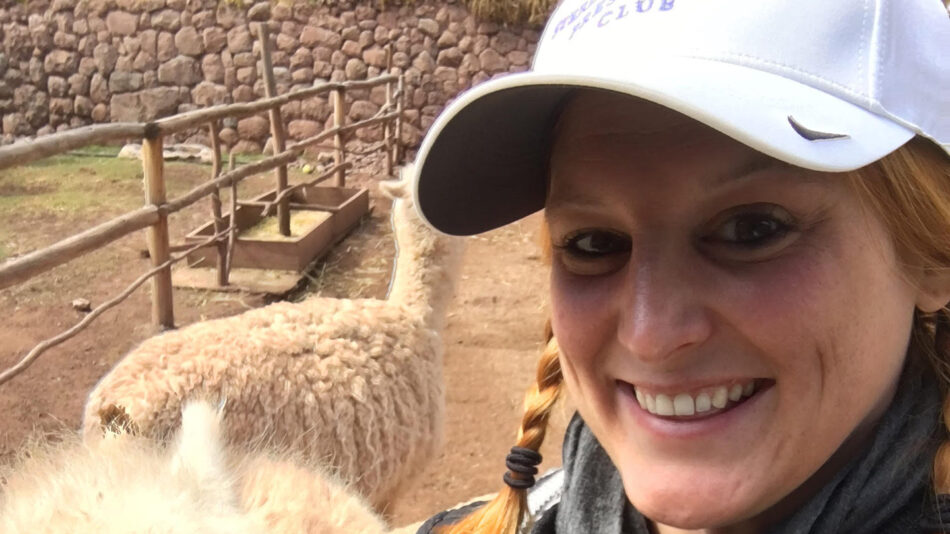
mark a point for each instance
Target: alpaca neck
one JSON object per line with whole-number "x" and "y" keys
{"x": 427, "y": 267}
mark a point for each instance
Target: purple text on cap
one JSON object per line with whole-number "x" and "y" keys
{"x": 590, "y": 10}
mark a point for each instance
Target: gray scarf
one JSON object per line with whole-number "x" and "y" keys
{"x": 886, "y": 490}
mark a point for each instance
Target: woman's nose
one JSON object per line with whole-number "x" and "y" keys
{"x": 662, "y": 313}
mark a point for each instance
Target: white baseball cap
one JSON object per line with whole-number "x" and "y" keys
{"x": 830, "y": 85}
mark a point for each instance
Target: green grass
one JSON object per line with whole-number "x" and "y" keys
{"x": 71, "y": 184}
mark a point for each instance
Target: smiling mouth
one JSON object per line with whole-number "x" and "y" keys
{"x": 701, "y": 403}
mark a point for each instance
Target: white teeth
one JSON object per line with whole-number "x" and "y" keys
{"x": 735, "y": 393}
{"x": 748, "y": 389}
{"x": 703, "y": 403}
{"x": 720, "y": 397}
{"x": 664, "y": 406}
{"x": 683, "y": 405}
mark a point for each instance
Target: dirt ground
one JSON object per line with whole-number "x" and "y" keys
{"x": 492, "y": 338}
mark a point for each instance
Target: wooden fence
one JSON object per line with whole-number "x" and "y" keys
{"x": 153, "y": 216}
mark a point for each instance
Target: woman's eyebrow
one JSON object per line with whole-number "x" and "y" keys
{"x": 749, "y": 169}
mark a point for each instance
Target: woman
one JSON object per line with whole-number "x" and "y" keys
{"x": 748, "y": 206}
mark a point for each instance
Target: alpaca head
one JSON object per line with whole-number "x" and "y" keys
{"x": 428, "y": 261}
{"x": 121, "y": 484}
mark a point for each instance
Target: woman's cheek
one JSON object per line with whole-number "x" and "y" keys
{"x": 583, "y": 311}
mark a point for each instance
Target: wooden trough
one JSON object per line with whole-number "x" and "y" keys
{"x": 320, "y": 217}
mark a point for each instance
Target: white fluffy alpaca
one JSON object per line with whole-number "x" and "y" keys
{"x": 354, "y": 384}
{"x": 123, "y": 484}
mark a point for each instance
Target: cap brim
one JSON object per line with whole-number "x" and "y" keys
{"x": 483, "y": 163}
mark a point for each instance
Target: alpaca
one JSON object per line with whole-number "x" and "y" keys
{"x": 354, "y": 384}
{"x": 120, "y": 483}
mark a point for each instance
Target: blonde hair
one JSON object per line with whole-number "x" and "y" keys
{"x": 909, "y": 190}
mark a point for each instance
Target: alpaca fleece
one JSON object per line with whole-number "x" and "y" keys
{"x": 353, "y": 384}
{"x": 123, "y": 484}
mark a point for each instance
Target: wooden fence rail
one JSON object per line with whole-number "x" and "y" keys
{"x": 153, "y": 217}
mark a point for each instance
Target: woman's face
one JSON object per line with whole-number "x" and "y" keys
{"x": 726, "y": 321}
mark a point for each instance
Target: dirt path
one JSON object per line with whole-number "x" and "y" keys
{"x": 492, "y": 343}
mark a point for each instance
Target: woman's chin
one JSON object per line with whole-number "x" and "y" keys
{"x": 692, "y": 510}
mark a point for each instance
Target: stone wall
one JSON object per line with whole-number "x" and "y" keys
{"x": 69, "y": 63}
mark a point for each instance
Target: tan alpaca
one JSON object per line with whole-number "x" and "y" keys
{"x": 123, "y": 484}
{"x": 354, "y": 384}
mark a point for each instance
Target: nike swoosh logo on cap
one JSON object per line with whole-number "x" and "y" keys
{"x": 814, "y": 135}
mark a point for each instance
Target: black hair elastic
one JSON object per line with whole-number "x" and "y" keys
{"x": 522, "y": 462}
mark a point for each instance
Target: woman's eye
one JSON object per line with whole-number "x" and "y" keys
{"x": 753, "y": 229}
{"x": 594, "y": 252}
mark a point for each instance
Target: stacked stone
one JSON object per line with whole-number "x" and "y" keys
{"x": 69, "y": 63}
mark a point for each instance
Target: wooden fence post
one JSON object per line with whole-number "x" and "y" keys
{"x": 221, "y": 245}
{"x": 400, "y": 98}
{"x": 388, "y": 126}
{"x": 339, "y": 116}
{"x": 153, "y": 165}
{"x": 276, "y": 128}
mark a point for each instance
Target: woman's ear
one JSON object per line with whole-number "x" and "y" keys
{"x": 933, "y": 292}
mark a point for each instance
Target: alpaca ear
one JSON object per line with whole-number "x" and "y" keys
{"x": 199, "y": 449}
{"x": 394, "y": 188}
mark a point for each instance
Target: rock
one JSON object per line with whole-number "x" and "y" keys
{"x": 259, "y": 12}
{"x": 215, "y": 39}
{"x": 313, "y": 36}
{"x": 125, "y": 82}
{"x": 62, "y": 62}
{"x": 246, "y": 147}
{"x": 189, "y": 42}
{"x": 240, "y": 40}
{"x": 401, "y": 60}
{"x": 355, "y": 69}
{"x": 99, "y": 89}
{"x": 100, "y": 113}
{"x": 145, "y": 62}
{"x": 519, "y": 57}
{"x": 37, "y": 72}
{"x": 166, "y": 19}
{"x": 366, "y": 39}
{"x": 302, "y": 129}
{"x": 121, "y": 22}
{"x": 14, "y": 124}
{"x": 424, "y": 62}
{"x": 244, "y": 59}
{"x": 87, "y": 66}
{"x": 65, "y": 40}
{"x": 504, "y": 42}
{"x": 361, "y": 110}
{"x": 255, "y": 128}
{"x": 302, "y": 75}
{"x": 302, "y": 58}
{"x": 202, "y": 20}
{"x": 228, "y": 136}
{"x": 37, "y": 110}
{"x": 242, "y": 93}
{"x": 149, "y": 40}
{"x": 82, "y": 305}
{"x": 286, "y": 43}
{"x": 82, "y": 106}
{"x": 492, "y": 62}
{"x": 78, "y": 84}
{"x": 246, "y": 75}
{"x": 209, "y": 94}
{"x": 429, "y": 27}
{"x": 375, "y": 56}
{"x": 447, "y": 39}
{"x": 159, "y": 102}
{"x": 450, "y": 57}
{"x": 181, "y": 70}
{"x": 351, "y": 49}
{"x": 165, "y": 46}
{"x": 212, "y": 68}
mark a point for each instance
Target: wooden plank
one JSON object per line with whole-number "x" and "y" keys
{"x": 153, "y": 164}
{"x": 339, "y": 117}
{"x": 387, "y": 127}
{"x": 400, "y": 99}
{"x": 222, "y": 247}
{"x": 193, "y": 119}
{"x": 49, "y": 145}
{"x": 25, "y": 267}
{"x": 278, "y": 136}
